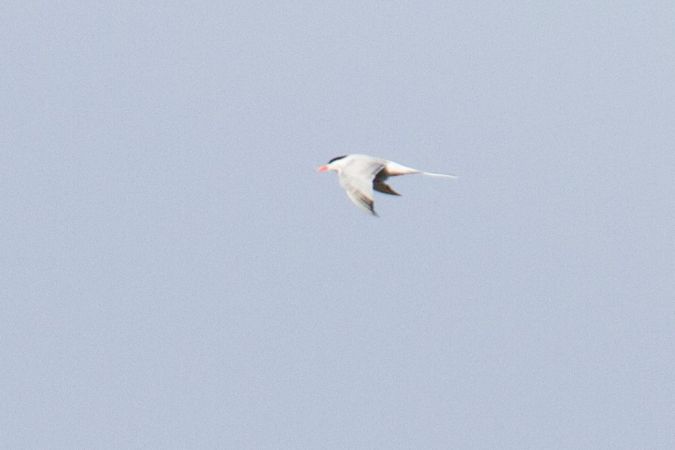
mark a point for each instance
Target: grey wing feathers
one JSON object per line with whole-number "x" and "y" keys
{"x": 357, "y": 179}
{"x": 379, "y": 183}
{"x": 362, "y": 201}
{"x": 381, "y": 186}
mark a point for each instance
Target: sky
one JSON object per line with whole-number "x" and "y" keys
{"x": 175, "y": 274}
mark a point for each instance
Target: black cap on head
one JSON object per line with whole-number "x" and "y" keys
{"x": 336, "y": 158}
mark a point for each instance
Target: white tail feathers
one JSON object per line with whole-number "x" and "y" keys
{"x": 439, "y": 175}
{"x": 394, "y": 169}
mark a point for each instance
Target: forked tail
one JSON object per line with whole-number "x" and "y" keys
{"x": 439, "y": 175}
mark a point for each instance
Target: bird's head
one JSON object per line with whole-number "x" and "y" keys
{"x": 333, "y": 164}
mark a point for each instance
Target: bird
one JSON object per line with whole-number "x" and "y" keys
{"x": 360, "y": 174}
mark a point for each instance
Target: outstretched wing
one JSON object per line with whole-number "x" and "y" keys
{"x": 357, "y": 179}
{"x": 379, "y": 183}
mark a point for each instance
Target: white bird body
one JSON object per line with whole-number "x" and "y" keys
{"x": 359, "y": 175}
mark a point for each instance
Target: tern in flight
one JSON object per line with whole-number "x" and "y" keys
{"x": 360, "y": 174}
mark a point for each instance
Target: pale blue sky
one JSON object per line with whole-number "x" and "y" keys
{"x": 176, "y": 275}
